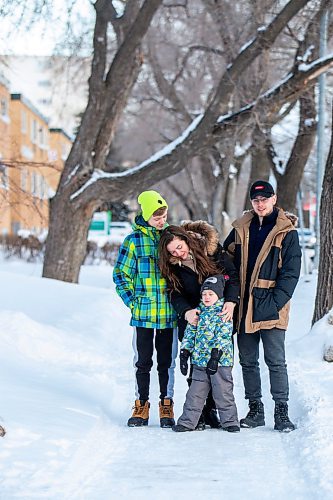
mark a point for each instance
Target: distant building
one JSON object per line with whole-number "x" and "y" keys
{"x": 56, "y": 85}
{"x": 4, "y": 153}
{"x": 31, "y": 160}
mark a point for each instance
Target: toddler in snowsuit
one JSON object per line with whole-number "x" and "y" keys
{"x": 209, "y": 344}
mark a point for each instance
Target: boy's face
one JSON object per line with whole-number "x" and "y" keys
{"x": 158, "y": 221}
{"x": 209, "y": 297}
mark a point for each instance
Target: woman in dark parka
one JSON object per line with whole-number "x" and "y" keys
{"x": 188, "y": 255}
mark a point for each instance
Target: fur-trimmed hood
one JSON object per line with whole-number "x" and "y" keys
{"x": 202, "y": 230}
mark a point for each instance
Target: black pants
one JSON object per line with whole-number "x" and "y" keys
{"x": 166, "y": 352}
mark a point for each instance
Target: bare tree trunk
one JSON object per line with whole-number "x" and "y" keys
{"x": 68, "y": 243}
{"x": 324, "y": 297}
{"x": 261, "y": 163}
{"x": 289, "y": 182}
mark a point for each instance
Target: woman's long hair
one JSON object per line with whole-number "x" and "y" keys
{"x": 203, "y": 264}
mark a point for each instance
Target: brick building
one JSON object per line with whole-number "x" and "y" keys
{"x": 31, "y": 159}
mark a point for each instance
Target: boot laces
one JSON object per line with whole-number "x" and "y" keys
{"x": 138, "y": 410}
{"x": 254, "y": 409}
{"x": 166, "y": 411}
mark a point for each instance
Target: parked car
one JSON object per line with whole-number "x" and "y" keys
{"x": 308, "y": 235}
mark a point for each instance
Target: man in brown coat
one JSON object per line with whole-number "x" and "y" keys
{"x": 266, "y": 251}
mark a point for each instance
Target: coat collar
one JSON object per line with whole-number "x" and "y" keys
{"x": 284, "y": 220}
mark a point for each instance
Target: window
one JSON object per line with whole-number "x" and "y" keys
{"x": 4, "y": 110}
{"x": 34, "y": 131}
{"x": 64, "y": 151}
{"x": 33, "y": 183}
{"x": 4, "y": 106}
{"x": 24, "y": 122}
{"x": 24, "y": 179}
{"x": 41, "y": 187}
{"x": 4, "y": 180}
{"x": 43, "y": 137}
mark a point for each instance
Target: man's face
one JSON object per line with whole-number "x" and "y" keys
{"x": 263, "y": 206}
{"x": 158, "y": 221}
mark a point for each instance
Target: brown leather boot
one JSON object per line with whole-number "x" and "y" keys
{"x": 166, "y": 413}
{"x": 140, "y": 415}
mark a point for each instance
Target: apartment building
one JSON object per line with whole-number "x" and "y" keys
{"x": 32, "y": 159}
{"x": 5, "y": 215}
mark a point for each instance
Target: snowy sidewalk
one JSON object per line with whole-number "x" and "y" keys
{"x": 67, "y": 390}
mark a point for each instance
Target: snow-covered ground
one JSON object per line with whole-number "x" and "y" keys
{"x": 67, "y": 388}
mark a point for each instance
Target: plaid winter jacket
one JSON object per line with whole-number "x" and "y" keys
{"x": 138, "y": 280}
{"x": 211, "y": 331}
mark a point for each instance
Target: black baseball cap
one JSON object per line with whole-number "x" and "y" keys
{"x": 261, "y": 188}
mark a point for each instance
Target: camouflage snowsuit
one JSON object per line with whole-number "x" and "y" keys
{"x": 211, "y": 331}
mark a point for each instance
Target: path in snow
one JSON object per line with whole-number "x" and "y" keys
{"x": 69, "y": 439}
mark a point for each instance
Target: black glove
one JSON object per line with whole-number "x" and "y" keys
{"x": 183, "y": 358}
{"x": 213, "y": 363}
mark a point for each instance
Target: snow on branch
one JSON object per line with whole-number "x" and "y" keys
{"x": 167, "y": 150}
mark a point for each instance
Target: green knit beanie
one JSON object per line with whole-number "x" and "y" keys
{"x": 150, "y": 201}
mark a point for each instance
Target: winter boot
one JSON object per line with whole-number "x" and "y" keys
{"x": 2, "y": 431}
{"x": 201, "y": 424}
{"x": 282, "y": 422}
{"x": 180, "y": 428}
{"x": 231, "y": 428}
{"x": 255, "y": 417}
{"x": 166, "y": 413}
{"x": 140, "y": 415}
{"x": 211, "y": 418}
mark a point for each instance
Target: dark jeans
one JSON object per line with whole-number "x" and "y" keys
{"x": 166, "y": 352}
{"x": 274, "y": 354}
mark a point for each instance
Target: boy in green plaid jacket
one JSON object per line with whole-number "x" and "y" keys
{"x": 141, "y": 287}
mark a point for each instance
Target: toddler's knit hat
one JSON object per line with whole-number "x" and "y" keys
{"x": 214, "y": 283}
{"x": 150, "y": 201}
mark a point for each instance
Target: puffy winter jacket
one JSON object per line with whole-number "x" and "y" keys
{"x": 189, "y": 295}
{"x": 211, "y": 331}
{"x": 275, "y": 274}
{"x": 138, "y": 279}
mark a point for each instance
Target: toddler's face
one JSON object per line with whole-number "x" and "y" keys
{"x": 209, "y": 297}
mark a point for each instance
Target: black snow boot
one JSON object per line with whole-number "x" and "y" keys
{"x": 231, "y": 428}
{"x": 282, "y": 422}
{"x": 255, "y": 416}
{"x": 2, "y": 431}
{"x": 180, "y": 428}
{"x": 201, "y": 424}
{"x": 211, "y": 418}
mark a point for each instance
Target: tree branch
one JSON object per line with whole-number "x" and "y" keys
{"x": 199, "y": 135}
